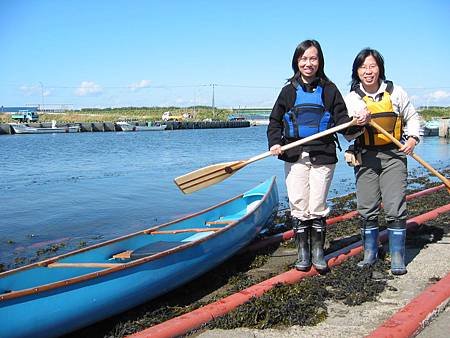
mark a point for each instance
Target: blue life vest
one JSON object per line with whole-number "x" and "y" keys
{"x": 308, "y": 116}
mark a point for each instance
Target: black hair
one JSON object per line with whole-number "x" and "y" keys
{"x": 359, "y": 60}
{"x": 299, "y": 51}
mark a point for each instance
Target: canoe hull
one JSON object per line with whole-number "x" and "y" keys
{"x": 61, "y": 310}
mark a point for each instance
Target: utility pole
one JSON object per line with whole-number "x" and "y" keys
{"x": 213, "y": 107}
{"x": 42, "y": 95}
{"x": 195, "y": 103}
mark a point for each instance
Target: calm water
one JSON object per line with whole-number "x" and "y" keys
{"x": 89, "y": 187}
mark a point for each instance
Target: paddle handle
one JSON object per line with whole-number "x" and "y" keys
{"x": 413, "y": 155}
{"x": 302, "y": 141}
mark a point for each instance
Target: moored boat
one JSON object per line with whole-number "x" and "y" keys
{"x": 431, "y": 128}
{"x": 151, "y": 127}
{"x": 124, "y": 126}
{"x": 24, "y": 129}
{"x": 70, "y": 291}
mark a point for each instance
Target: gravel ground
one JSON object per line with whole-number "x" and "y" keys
{"x": 425, "y": 265}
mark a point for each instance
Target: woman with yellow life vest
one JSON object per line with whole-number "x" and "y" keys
{"x": 381, "y": 172}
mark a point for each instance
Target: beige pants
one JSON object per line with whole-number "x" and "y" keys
{"x": 307, "y": 187}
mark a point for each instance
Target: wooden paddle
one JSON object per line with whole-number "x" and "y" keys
{"x": 216, "y": 173}
{"x": 414, "y": 156}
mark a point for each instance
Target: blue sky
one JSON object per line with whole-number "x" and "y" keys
{"x": 89, "y": 53}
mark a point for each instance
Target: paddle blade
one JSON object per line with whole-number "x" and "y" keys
{"x": 207, "y": 176}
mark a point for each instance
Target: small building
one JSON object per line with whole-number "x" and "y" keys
{"x": 13, "y": 110}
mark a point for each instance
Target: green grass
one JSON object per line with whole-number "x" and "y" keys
{"x": 128, "y": 113}
{"x": 434, "y": 112}
{"x": 154, "y": 114}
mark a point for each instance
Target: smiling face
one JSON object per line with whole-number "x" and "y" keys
{"x": 308, "y": 64}
{"x": 369, "y": 74}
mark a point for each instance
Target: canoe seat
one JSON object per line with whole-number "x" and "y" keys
{"x": 179, "y": 231}
{"x": 197, "y": 236}
{"x": 226, "y": 220}
{"x": 229, "y": 218}
{"x": 252, "y": 206}
{"x": 147, "y": 250}
{"x": 83, "y": 265}
{"x": 219, "y": 222}
{"x": 259, "y": 195}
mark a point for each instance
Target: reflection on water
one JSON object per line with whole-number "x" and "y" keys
{"x": 87, "y": 187}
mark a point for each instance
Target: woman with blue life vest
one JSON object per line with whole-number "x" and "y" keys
{"x": 309, "y": 103}
{"x": 381, "y": 174}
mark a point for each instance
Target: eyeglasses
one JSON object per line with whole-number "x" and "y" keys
{"x": 368, "y": 67}
{"x": 312, "y": 59}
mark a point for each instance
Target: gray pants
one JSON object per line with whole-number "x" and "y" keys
{"x": 382, "y": 177}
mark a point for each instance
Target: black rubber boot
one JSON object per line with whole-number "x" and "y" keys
{"x": 369, "y": 235}
{"x": 302, "y": 232}
{"x": 318, "y": 232}
{"x": 397, "y": 236}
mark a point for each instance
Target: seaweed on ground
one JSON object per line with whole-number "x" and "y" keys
{"x": 342, "y": 204}
{"x": 304, "y": 303}
{"x": 353, "y": 285}
{"x": 284, "y": 305}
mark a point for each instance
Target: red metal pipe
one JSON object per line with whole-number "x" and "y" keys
{"x": 290, "y": 233}
{"x": 410, "y": 320}
{"x": 182, "y": 324}
{"x": 425, "y": 192}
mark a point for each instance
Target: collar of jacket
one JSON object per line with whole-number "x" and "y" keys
{"x": 307, "y": 87}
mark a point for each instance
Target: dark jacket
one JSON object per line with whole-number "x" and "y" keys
{"x": 321, "y": 151}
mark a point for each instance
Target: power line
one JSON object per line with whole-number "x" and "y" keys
{"x": 143, "y": 87}
{"x": 182, "y": 86}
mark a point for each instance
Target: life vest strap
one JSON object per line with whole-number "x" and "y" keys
{"x": 389, "y": 89}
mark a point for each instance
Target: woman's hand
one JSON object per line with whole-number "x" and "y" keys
{"x": 275, "y": 150}
{"x": 362, "y": 117}
{"x": 408, "y": 147}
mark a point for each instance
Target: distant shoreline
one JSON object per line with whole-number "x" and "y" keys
{"x": 7, "y": 129}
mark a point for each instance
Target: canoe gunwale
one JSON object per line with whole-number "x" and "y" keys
{"x": 114, "y": 240}
{"x": 131, "y": 264}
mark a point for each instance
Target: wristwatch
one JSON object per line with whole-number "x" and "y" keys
{"x": 415, "y": 138}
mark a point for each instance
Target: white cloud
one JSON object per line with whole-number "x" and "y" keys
{"x": 439, "y": 94}
{"x": 35, "y": 90}
{"x": 27, "y": 90}
{"x": 438, "y": 97}
{"x": 139, "y": 85}
{"x": 88, "y": 88}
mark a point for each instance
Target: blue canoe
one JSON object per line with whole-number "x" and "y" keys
{"x": 73, "y": 290}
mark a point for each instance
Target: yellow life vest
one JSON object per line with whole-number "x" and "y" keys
{"x": 382, "y": 112}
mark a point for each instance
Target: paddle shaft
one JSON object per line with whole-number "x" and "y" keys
{"x": 299, "y": 142}
{"x": 413, "y": 155}
{"x": 213, "y": 174}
